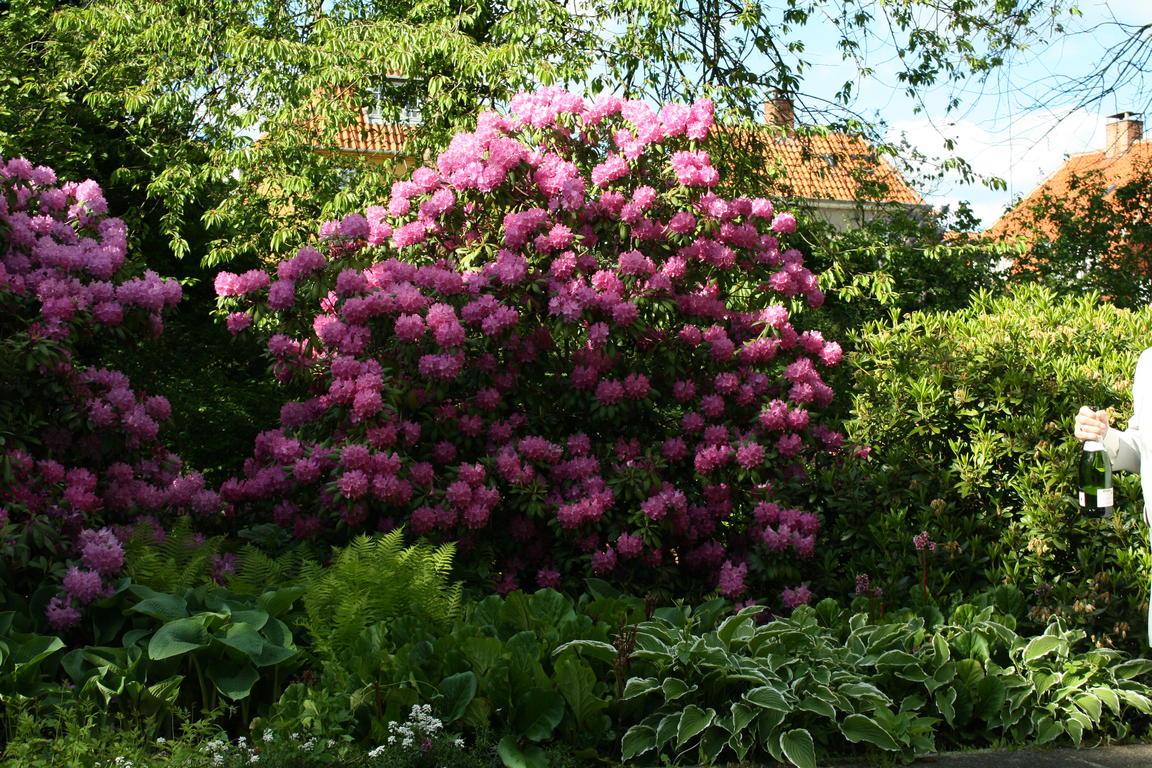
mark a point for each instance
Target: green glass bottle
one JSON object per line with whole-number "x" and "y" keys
{"x": 1095, "y": 480}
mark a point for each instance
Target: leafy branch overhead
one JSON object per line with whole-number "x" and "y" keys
{"x": 208, "y": 116}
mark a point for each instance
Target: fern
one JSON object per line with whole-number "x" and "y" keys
{"x": 256, "y": 571}
{"x": 375, "y": 579}
{"x": 182, "y": 559}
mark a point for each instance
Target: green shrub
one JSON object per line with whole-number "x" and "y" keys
{"x": 968, "y": 415}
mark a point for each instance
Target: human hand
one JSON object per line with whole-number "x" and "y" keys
{"x": 1090, "y": 424}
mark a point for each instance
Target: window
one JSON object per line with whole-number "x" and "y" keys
{"x": 390, "y": 93}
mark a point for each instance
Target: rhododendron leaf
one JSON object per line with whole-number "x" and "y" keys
{"x": 178, "y": 637}
{"x": 233, "y": 680}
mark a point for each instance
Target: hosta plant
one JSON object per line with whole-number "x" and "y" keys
{"x": 821, "y": 681}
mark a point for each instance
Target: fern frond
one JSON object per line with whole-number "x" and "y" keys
{"x": 376, "y": 579}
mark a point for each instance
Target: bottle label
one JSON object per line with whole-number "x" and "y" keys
{"x": 1102, "y": 498}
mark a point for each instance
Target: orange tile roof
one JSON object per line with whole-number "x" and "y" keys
{"x": 834, "y": 166}
{"x": 367, "y": 136}
{"x": 1112, "y": 172}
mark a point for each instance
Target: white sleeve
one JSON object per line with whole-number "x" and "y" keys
{"x": 1123, "y": 445}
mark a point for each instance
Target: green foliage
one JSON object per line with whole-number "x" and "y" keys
{"x": 27, "y": 662}
{"x": 178, "y": 560}
{"x": 1093, "y": 237}
{"x": 898, "y": 263}
{"x": 537, "y": 668}
{"x": 968, "y": 415}
{"x": 815, "y": 683}
{"x": 372, "y": 580}
{"x": 225, "y": 642}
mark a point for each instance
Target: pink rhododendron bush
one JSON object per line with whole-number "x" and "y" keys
{"x": 80, "y": 450}
{"x": 560, "y": 348}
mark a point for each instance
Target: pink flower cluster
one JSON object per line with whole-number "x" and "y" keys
{"x": 96, "y": 459}
{"x": 62, "y": 255}
{"x": 567, "y": 336}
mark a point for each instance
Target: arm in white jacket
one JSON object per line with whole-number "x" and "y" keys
{"x": 1123, "y": 445}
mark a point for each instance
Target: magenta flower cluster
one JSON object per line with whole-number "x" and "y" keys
{"x": 98, "y": 461}
{"x": 561, "y": 348}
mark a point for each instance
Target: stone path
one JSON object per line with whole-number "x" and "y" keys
{"x": 1131, "y": 756}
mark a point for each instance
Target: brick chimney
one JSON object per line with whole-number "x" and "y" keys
{"x": 1122, "y": 133}
{"x": 778, "y": 111}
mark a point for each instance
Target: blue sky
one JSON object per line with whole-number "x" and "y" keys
{"x": 1018, "y": 125}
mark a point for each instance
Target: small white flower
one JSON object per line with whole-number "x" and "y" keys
{"x": 377, "y": 751}
{"x": 255, "y": 758}
{"x": 407, "y": 743}
{"x": 459, "y": 743}
{"x": 161, "y": 740}
{"x": 330, "y": 743}
{"x": 294, "y": 736}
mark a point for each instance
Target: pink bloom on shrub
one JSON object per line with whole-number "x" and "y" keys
{"x": 796, "y": 596}
{"x": 609, "y": 392}
{"x": 238, "y": 321}
{"x": 750, "y": 455}
{"x": 84, "y": 586}
{"x": 732, "y": 579}
{"x": 789, "y": 445}
{"x": 923, "y": 541}
{"x": 604, "y": 561}
{"x": 100, "y": 551}
{"x": 62, "y": 614}
{"x": 548, "y": 577}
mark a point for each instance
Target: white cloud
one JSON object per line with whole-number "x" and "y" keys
{"x": 1023, "y": 152}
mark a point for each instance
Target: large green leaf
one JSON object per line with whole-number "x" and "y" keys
{"x": 233, "y": 680}
{"x": 458, "y": 691}
{"x": 693, "y": 720}
{"x": 162, "y": 606}
{"x": 1040, "y": 646}
{"x": 178, "y": 637}
{"x": 798, "y": 748}
{"x": 638, "y": 686}
{"x": 513, "y": 755}
{"x": 857, "y": 728}
{"x": 597, "y": 649}
{"x": 245, "y": 639}
{"x": 277, "y": 601}
{"x": 537, "y": 714}
{"x": 638, "y": 740}
{"x": 577, "y": 683}
{"x": 767, "y": 697}
{"x": 26, "y": 651}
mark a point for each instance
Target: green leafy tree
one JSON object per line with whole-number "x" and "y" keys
{"x": 1096, "y": 237}
{"x": 168, "y": 100}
